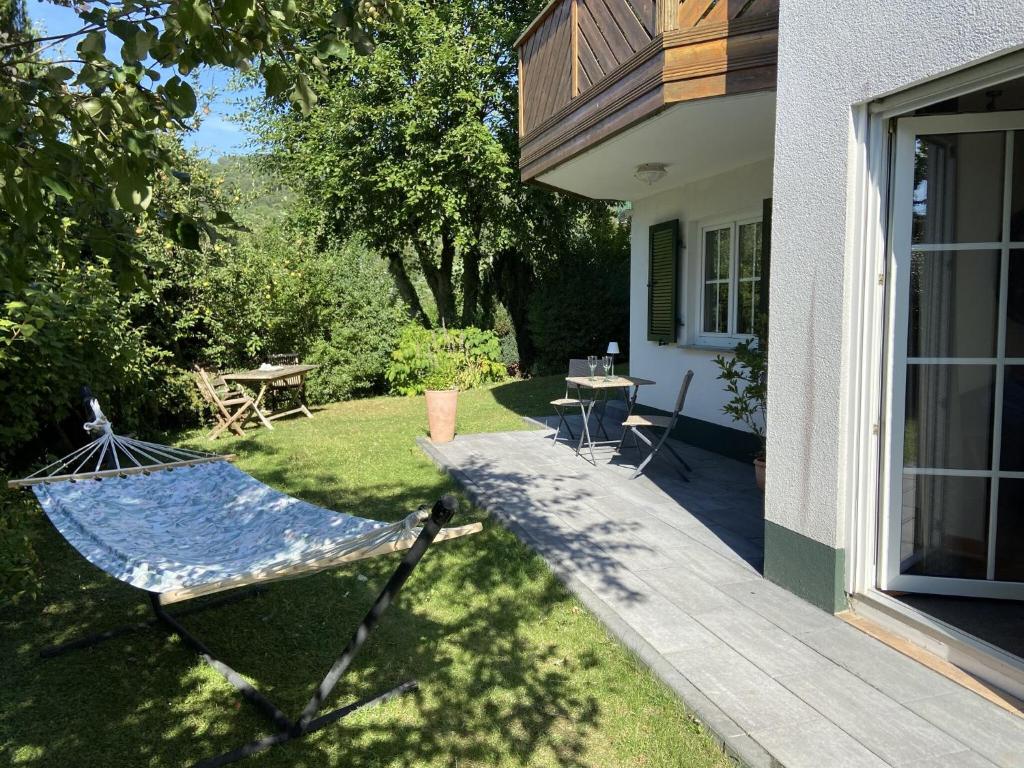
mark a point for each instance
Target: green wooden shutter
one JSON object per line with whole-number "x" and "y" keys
{"x": 766, "y": 261}
{"x": 662, "y": 285}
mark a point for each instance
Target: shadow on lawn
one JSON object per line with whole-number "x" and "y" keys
{"x": 529, "y": 397}
{"x": 490, "y": 692}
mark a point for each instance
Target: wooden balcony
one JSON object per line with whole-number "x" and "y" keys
{"x": 589, "y": 69}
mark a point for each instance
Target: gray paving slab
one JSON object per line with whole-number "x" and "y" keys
{"x": 716, "y": 565}
{"x": 641, "y": 553}
{"x": 687, "y": 590}
{"x": 655, "y": 531}
{"x": 986, "y": 729}
{"x": 898, "y": 676}
{"x": 887, "y": 728}
{"x": 666, "y": 626}
{"x": 745, "y": 693}
{"x": 781, "y": 608}
{"x": 772, "y": 650}
{"x": 957, "y": 760}
{"x": 673, "y": 570}
{"x": 817, "y": 744}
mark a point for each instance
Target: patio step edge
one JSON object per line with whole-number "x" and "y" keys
{"x": 734, "y": 741}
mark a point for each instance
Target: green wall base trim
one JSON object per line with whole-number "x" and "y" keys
{"x": 807, "y": 568}
{"x": 726, "y": 441}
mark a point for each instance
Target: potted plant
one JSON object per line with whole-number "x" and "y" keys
{"x": 441, "y": 388}
{"x": 745, "y": 374}
{"x": 440, "y": 362}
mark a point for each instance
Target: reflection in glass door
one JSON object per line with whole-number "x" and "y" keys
{"x": 955, "y": 523}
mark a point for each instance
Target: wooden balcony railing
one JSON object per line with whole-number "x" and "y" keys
{"x": 590, "y": 68}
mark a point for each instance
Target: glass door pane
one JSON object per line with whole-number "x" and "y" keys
{"x": 944, "y": 534}
{"x": 958, "y": 187}
{"x": 1010, "y": 531}
{"x": 954, "y": 302}
{"x": 948, "y": 422}
{"x": 956, "y": 516}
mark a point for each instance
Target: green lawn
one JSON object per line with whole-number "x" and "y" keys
{"x": 512, "y": 670}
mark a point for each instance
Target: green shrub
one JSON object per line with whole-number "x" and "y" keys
{"x": 506, "y": 333}
{"x": 68, "y": 328}
{"x": 19, "y": 565}
{"x": 362, "y": 317}
{"x": 581, "y": 301}
{"x": 444, "y": 359}
{"x": 278, "y": 291}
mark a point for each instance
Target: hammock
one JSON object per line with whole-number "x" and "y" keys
{"x": 179, "y": 524}
{"x": 207, "y": 528}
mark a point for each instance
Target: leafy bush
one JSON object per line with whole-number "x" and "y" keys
{"x": 67, "y": 329}
{"x": 354, "y": 357}
{"x": 72, "y": 324}
{"x": 278, "y": 291}
{"x": 19, "y": 565}
{"x": 229, "y": 304}
{"x": 444, "y": 359}
{"x": 506, "y": 333}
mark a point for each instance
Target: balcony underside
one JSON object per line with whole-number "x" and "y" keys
{"x": 694, "y": 139}
{"x": 586, "y": 76}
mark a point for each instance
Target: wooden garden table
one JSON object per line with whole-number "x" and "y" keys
{"x": 601, "y": 385}
{"x": 263, "y": 378}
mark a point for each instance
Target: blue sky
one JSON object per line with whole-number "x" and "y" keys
{"x": 217, "y": 135}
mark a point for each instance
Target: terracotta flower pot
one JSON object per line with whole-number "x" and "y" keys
{"x": 441, "y": 407}
{"x": 759, "y": 470}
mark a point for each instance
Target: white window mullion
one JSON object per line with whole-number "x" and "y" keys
{"x": 997, "y": 410}
{"x": 933, "y": 247}
{"x": 734, "y": 274}
{"x": 965, "y": 360}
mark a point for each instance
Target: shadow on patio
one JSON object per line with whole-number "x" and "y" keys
{"x": 606, "y": 528}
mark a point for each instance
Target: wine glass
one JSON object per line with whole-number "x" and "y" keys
{"x": 592, "y": 365}
{"x": 606, "y": 363}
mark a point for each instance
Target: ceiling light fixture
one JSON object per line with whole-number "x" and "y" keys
{"x": 650, "y": 173}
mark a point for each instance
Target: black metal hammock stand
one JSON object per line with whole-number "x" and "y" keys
{"x": 179, "y": 524}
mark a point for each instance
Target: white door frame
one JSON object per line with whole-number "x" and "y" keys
{"x": 863, "y": 484}
{"x": 900, "y": 248}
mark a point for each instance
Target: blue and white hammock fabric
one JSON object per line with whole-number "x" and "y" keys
{"x": 194, "y": 524}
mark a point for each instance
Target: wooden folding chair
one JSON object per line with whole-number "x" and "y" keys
{"x": 291, "y": 388}
{"x": 232, "y": 408}
{"x": 577, "y": 367}
{"x": 637, "y": 422}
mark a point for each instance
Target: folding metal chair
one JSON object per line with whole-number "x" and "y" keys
{"x": 577, "y": 367}
{"x": 636, "y": 422}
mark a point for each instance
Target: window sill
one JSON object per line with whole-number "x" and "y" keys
{"x": 707, "y": 347}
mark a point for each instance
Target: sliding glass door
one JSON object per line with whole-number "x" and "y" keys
{"x": 955, "y": 460}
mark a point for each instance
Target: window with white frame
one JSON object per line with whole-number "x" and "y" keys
{"x": 730, "y": 280}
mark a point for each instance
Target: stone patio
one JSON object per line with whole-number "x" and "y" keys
{"x": 673, "y": 569}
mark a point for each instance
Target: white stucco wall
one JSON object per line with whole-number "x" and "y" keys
{"x": 831, "y": 57}
{"x": 736, "y": 194}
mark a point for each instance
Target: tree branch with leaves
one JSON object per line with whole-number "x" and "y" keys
{"x": 82, "y": 128}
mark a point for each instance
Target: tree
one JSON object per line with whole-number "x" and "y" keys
{"x": 12, "y": 19}
{"x": 398, "y": 150}
{"x": 415, "y": 148}
{"x": 80, "y": 131}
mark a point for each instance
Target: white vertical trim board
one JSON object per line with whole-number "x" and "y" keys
{"x": 864, "y": 343}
